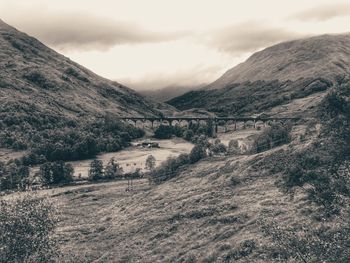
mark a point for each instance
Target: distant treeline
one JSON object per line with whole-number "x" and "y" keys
{"x": 54, "y": 138}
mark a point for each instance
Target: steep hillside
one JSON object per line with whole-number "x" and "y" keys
{"x": 37, "y": 75}
{"x": 43, "y": 93}
{"x": 326, "y": 56}
{"x": 276, "y": 77}
{"x": 254, "y": 98}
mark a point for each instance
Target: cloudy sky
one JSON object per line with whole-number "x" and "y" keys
{"x": 158, "y": 43}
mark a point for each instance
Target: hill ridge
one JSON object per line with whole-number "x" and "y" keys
{"x": 326, "y": 55}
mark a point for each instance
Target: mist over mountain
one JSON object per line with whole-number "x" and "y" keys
{"x": 287, "y": 78}
{"x": 167, "y": 93}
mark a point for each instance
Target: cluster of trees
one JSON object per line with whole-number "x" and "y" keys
{"x": 111, "y": 171}
{"x": 13, "y": 175}
{"x": 275, "y": 135}
{"x": 51, "y": 138}
{"x": 169, "y": 168}
{"x": 57, "y": 172}
{"x": 192, "y": 133}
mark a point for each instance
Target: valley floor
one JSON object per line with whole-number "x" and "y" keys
{"x": 203, "y": 215}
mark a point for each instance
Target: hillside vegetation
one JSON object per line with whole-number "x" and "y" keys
{"x": 325, "y": 56}
{"x": 254, "y": 97}
{"x": 286, "y": 204}
{"x": 57, "y": 109}
{"x": 294, "y": 75}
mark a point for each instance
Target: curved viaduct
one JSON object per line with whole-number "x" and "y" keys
{"x": 216, "y": 121}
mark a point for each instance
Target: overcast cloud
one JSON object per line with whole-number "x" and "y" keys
{"x": 157, "y": 43}
{"x": 323, "y": 13}
{"x": 85, "y": 31}
{"x": 247, "y": 37}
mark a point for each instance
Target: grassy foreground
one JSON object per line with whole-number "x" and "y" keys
{"x": 212, "y": 212}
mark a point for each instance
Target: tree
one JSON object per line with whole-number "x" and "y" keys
{"x": 233, "y": 147}
{"x": 217, "y": 141}
{"x": 198, "y": 152}
{"x": 14, "y": 175}
{"x": 218, "y": 148}
{"x": 27, "y": 225}
{"x": 56, "y": 172}
{"x": 96, "y": 170}
{"x": 188, "y": 134}
{"x": 164, "y": 132}
{"x": 150, "y": 162}
{"x": 113, "y": 169}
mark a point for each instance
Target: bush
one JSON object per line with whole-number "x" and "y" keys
{"x": 168, "y": 168}
{"x": 324, "y": 164}
{"x": 164, "y": 132}
{"x": 317, "y": 244}
{"x": 275, "y": 135}
{"x": 218, "y": 148}
{"x": 27, "y": 227}
{"x": 233, "y": 147}
{"x": 56, "y": 173}
{"x": 197, "y": 153}
{"x": 13, "y": 175}
{"x": 188, "y": 134}
{"x": 96, "y": 170}
{"x": 112, "y": 170}
{"x": 150, "y": 162}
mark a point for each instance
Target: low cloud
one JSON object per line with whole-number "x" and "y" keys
{"x": 82, "y": 31}
{"x": 247, "y": 37}
{"x": 324, "y": 13}
{"x": 199, "y": 76}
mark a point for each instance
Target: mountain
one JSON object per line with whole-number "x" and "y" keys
{"x": 167, "y": 93}
{"x": 287, "y": 78}
{"x": 326, "y": 56}
{"x": 43, "y": 93}
{"x": 38, "y": 75}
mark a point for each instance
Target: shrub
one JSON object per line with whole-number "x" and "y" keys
{"x": 168, "y": 168}
{"x": 96, "y": 170}
{"x": 324, "y": 164}
{"x": 13, "y": 175}
{"x": 218, "y": 148}
{"x": 233, "y": 147}
{"x": 56, "y": 172}
{"x": 112, "y": 169}
{"x": 197, "y": 153}
{"x": 316, "y": 244}
{"x": 188, "y": 134}
{"x": 277, "y": 134}
{"x": 150, "y": 162}
{"x": 163, "y": 132}
{"x": 27, "y": 227}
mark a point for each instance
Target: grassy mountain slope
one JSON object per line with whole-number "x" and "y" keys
{"x": 275, "y": 77}
{"x": 34, "y": 74}
{"x": 254, "y": 97}
{"x": 326, "y": 56}
{"x": 49, "y": 102}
